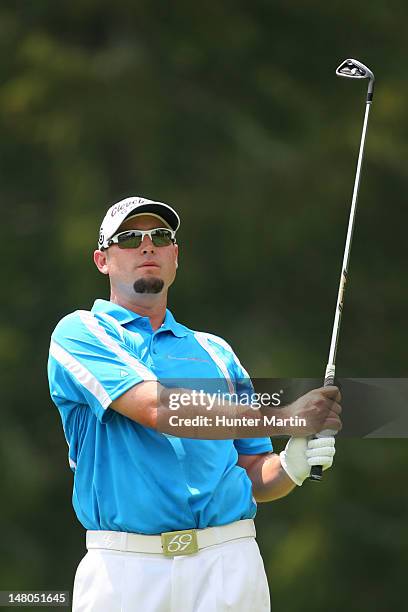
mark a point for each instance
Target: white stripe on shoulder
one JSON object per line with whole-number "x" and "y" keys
{"x": 118, "y": 326}
{"x": 227, "y": 347}
{"x": 114, "y": 322}
{"x": 81, "y": 373}
{"x": 202, "y": 338}
{"x": 93, "y": 325}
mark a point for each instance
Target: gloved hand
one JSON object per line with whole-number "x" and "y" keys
{"x": 300, "y": 454}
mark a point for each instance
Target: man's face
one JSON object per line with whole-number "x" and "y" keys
{"x": 147, "y": 269}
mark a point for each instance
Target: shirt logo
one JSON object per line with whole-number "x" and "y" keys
{"x": 188, "y": 359}
{"x": 123, "y": 373}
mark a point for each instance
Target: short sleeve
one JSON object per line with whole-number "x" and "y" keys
{"x": 253, "y": 446}
{"x": 90, "y": 363}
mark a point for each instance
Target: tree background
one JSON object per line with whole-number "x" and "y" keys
{"x": 232, "y": 113}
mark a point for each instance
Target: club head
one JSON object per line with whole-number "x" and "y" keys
{"x": 353, "y": 69}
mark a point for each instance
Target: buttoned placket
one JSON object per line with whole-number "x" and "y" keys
{"x": 154, "y": 339}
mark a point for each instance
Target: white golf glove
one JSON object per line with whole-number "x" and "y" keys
{"x": 300, "y": 454}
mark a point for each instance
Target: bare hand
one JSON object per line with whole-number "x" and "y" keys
{"x": 320, "y": 408}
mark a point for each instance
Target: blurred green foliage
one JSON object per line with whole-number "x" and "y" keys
{"x": 231, "y": 112}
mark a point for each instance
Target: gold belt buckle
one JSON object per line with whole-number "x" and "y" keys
{"x": 176, "y": 543}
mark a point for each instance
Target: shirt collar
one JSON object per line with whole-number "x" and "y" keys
{"x": 171, "y": 324}
{"x": 123, "y": 316}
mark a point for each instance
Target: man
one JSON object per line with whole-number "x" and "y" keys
{"x": 138, "y": 481}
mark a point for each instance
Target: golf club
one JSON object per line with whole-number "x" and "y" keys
{"x": 351, "y": 69}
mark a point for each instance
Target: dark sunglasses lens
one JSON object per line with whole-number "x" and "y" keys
{"x": 161, "y": 237}
{"x": 129, "y": 241}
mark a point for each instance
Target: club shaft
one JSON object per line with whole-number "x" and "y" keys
{"x": 347, "y": 249}
{"x": 316, "y": 471}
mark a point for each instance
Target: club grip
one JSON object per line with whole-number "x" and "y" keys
{"x": 316, "y": 473}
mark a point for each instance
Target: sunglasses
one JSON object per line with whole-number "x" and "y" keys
{"x": 132, "y": 239}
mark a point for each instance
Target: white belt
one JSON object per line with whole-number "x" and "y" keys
{"x": 135, "y": 542}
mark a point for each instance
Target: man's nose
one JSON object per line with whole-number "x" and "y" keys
{"x": 147, "y": 245}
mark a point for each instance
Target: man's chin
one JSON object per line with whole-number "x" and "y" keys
{"x": 148, "y": 285}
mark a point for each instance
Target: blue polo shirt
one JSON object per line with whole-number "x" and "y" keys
{"x": 132, "y": 478}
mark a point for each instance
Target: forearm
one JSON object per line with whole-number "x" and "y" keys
{"x": 269, "y": 479}
{"x": 206, "y": 416}
{"x": 199, "y": 416}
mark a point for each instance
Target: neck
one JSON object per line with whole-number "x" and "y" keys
{"x": 145, "y": 305}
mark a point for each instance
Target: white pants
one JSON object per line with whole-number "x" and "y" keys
{"x": 225, "y": 577}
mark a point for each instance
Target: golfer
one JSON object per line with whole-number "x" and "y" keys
{"x": 168, "y": 511}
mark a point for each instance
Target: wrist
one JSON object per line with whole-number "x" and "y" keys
{"x": 276, "y": 421}
{"x": 288, "y": 471}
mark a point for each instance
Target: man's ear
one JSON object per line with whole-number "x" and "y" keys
{"x": 177, "y": 250}
{"x": 101, "y": 261}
